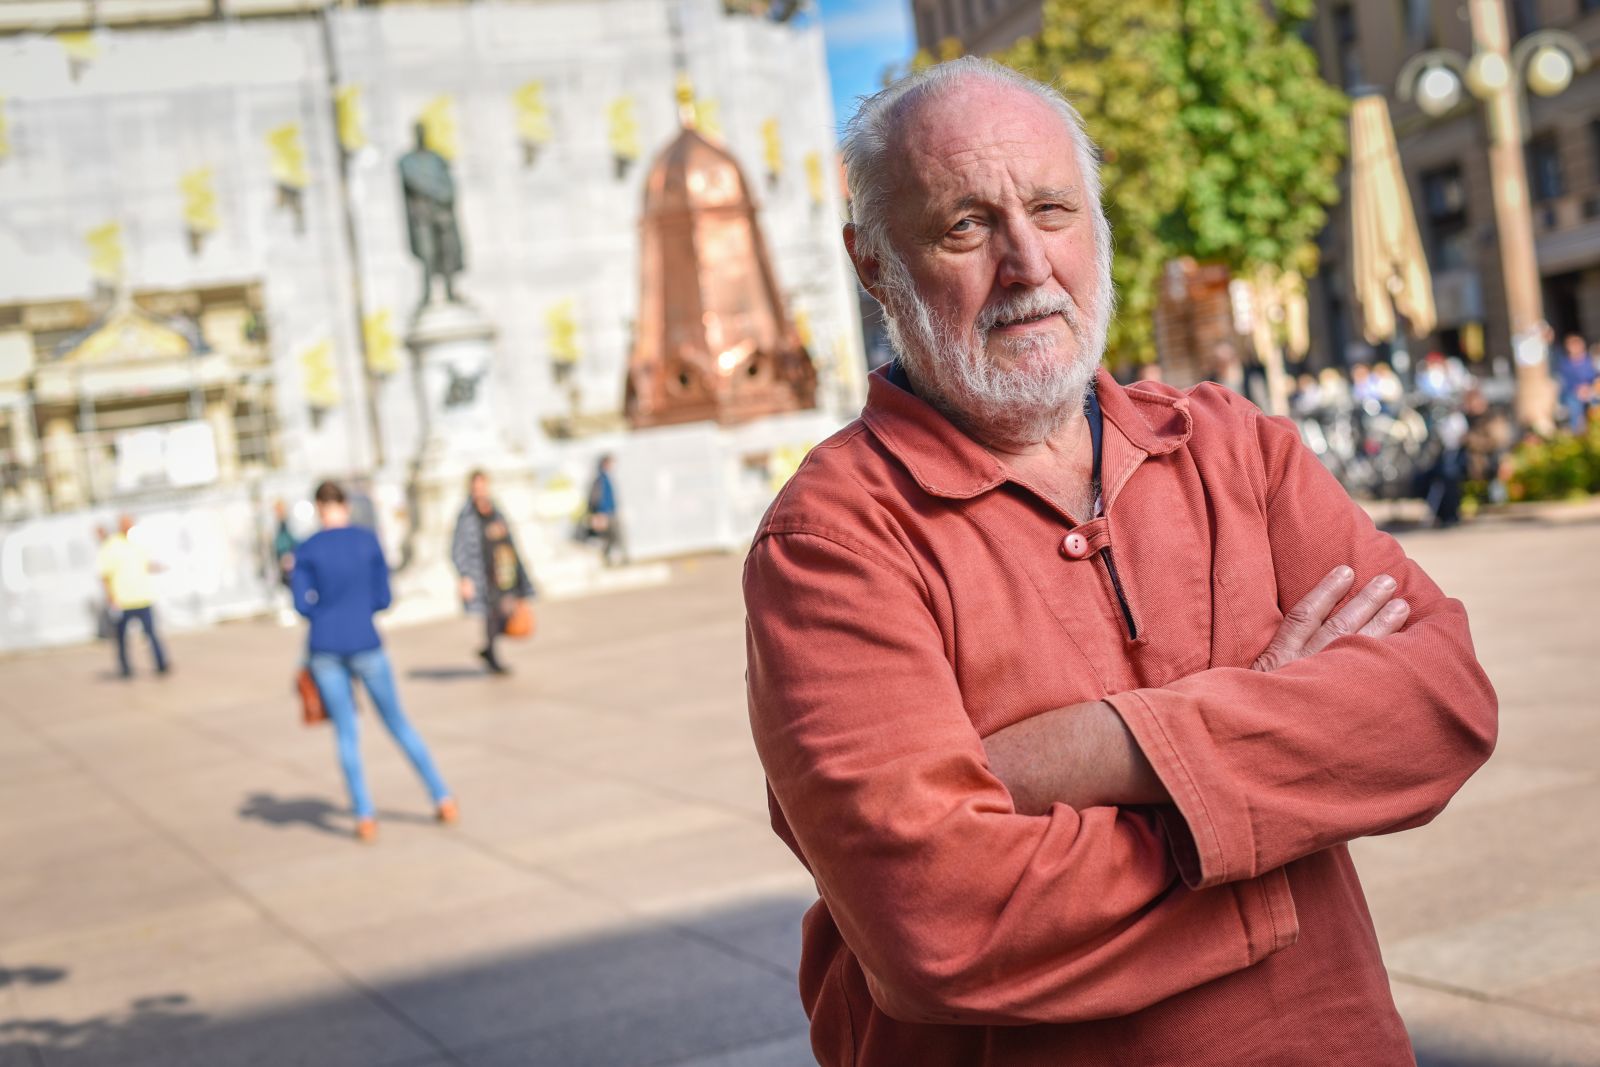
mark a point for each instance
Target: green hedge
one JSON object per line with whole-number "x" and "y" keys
{"x": 1560, "y": 468}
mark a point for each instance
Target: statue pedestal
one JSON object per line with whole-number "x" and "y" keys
{"x": 453, "y": 346}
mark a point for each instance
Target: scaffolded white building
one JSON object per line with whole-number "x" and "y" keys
{"x": 219, "y": 176}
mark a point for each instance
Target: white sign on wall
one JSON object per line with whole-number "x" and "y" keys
{"x": 177, "y": 456}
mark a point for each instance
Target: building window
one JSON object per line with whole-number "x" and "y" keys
{"x": 1444, "y": 202}
{"x": 1544, "y": 168}
{"x": 927, "y": 36}
{"x": 1418, "y": 28}
{"x": 1524, "y": 17}
{"x": 1347, "y": 42}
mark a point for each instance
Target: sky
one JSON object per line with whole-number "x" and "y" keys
{"x": 864, "y": 37}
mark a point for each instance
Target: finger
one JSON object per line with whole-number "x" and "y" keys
{"x": 1388, "y": 620}
{"x": 1354, "y": 615}
{"x": 1302, "y": 620}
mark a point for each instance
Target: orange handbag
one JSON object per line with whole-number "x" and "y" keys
{"x": 311, "y": 709}
{"x": 520, "y": 623}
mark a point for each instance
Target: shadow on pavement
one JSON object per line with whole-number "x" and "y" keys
{"x": 313, "y": 813}
{"x": 1429, "y": 1057}
{"x": 445, "y": 674}
{"x": 156, "y": 1019}
{"x": 32, "y": 975}
{"x": 717, "y": 990}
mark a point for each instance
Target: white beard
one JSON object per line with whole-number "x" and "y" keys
{"x": 1018, "y": 404}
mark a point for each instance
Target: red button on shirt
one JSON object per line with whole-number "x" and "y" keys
{"x": 1074, "y": 545}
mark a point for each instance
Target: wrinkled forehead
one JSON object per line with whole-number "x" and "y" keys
{"x": 949, "y": 140}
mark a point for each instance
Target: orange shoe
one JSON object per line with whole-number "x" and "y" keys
{"x": 447, "y": 812}
{"x": 367, "y": 830}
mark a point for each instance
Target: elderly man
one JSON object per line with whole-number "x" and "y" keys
{"x": 1070, "y": 695}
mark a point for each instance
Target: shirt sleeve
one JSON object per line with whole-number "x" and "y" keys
{"x": 461, "y": 554}
{"x": 1368, "y": 736}
{"x": 303, "y": 584}
{"x": 381, "y": 595}
{"x": 959, "y": 909}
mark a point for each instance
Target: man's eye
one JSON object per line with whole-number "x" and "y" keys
{"x": 964, "y": 226}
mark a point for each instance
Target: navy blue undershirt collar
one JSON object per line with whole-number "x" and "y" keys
{"x": 1091, "y": 411}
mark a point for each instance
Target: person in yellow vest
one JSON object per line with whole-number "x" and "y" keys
{"x": 125, "y": 568}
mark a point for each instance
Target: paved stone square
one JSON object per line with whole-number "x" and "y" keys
{"x": 178, "y": 887}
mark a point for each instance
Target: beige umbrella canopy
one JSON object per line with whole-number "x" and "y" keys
{"x": 1391, "y": 273}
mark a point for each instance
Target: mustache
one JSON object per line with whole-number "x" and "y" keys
{"x": 1029, "y": 305}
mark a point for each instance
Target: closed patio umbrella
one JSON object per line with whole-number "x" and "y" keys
{"x": 1391, "y": 272}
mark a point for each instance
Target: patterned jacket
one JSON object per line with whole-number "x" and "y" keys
{"x": 466, "y": 553}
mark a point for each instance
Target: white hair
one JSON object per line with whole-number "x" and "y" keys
{"x": 867, "y": 149}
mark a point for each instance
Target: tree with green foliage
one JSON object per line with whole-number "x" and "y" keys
{"x": 1219, "y": 138}
{"x": 1267, "y": 132}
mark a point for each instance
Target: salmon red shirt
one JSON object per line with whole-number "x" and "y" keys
{"x": 907, "y": 597}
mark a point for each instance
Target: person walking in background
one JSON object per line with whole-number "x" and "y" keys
{"x": 492, "y": 578}
{"x": 1487, "y": 442}
{"x": 603, "y": 520}
{"x": 340, "y": 579}
{"x": 125, "y": 570}
{"x": 1225, "y": 369}
{"x": 1575, "y": 375}
{"x": 284, "y": 543}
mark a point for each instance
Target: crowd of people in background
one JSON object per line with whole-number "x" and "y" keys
{"x": 1384, "y": 438}
{"x": 1428, "y": 435}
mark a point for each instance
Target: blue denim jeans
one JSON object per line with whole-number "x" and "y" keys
{"x": 334, "y": 673}
{"x": 146, "y": 619}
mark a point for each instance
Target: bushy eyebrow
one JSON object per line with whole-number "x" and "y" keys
{"x": 1068, "y": 194}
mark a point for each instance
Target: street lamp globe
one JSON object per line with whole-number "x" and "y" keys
{"x": 1487, "y": 74}
{"x": 1438, "y": 91}
{"x": 1550, "y": 71}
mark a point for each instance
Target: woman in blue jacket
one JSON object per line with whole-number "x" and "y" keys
{"x": 340, "y": 579}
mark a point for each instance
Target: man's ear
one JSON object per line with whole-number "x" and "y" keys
{"x": 866, "y": 266}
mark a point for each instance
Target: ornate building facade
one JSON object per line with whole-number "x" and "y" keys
{"x": 205, "y": 281}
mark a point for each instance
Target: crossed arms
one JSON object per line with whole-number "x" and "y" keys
{"x": 964, "y": 906}
{"x": 1084, "y": 756}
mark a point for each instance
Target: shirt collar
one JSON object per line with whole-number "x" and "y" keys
{"x": 946, "y": 462}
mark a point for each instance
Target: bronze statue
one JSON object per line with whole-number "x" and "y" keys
{"x": 430, "y": 195}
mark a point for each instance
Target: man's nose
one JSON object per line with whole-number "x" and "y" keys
{"x": 1023, "y": 261}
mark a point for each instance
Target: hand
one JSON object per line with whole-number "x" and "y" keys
{"x": 467, "y": 589}
{"x": 1307, "y": 629}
